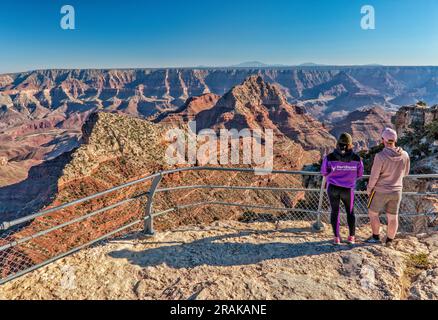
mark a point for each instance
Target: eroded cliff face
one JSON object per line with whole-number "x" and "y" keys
{"x": 417, "y": 126}
{"x": 41, "y": 112}
{"x": 256, "y": 104}
{"x": 110, "y": 138}
{"x": 418, "y": 116}
{"x": 114, "y": 137}
{"x": 189, "y": 110}
{"x": 143, "y": 92}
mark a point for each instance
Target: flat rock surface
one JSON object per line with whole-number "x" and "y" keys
{"x": 233, "y": 260}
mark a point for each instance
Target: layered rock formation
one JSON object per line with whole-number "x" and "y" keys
{"x": 189, "y": 110}
{"x": 144, "y": 91}
{"x": 256, "y": 104}
{"x": 252, "y": 105}
{"x": 41, "y": 112}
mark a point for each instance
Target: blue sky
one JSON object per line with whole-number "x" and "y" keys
{"x": 188, "y": 33}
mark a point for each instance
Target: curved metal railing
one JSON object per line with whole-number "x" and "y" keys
{"x": 11, "y": 258}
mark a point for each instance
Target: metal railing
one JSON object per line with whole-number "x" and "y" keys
{"x": 33, "y": 241}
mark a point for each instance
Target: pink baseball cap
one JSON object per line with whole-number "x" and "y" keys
{"x": 389, "y": 135}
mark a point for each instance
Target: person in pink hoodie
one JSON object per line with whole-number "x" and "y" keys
{"x": 385, "y": 186}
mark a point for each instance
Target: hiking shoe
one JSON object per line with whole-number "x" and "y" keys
{"x": 371, "y": 240}
{"x": 351, "y": 240}
{"x": 336, "y": 241}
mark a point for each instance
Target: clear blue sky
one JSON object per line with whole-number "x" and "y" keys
{"x": 128, "y": 33}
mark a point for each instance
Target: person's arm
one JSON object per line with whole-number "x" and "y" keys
{"x": 375, "y": 173}
{"x": 408, "y": 166}
{"x": 325, "y": 168}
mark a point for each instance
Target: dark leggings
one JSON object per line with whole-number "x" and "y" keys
{"x": 346, "y": 195}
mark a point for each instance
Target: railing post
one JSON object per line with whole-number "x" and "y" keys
{"x": 318, "y": 226}
{"x": 149, "y": 219}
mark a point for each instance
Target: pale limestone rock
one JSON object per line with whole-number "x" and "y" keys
{"x": 234, "y": 261}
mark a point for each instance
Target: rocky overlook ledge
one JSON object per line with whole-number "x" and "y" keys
{"x": 233, "y": 260}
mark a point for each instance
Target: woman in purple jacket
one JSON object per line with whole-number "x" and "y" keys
{"x": 342, "y": 168}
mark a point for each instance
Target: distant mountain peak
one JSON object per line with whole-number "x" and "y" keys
{"x": 310, "y": 64}
{"x": 250, "y": 64}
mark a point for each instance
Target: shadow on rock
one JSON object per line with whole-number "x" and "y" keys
{"x": 224, "y": 250}
{"x": 32, "y": 194}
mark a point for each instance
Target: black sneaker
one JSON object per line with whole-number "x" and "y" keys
{"x": 373, "y": 240}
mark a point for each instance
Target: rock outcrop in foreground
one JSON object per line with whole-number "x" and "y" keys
{"x": 417, "y": 126}
{"x": 232, "y": 260}
{"x": 411, "y": 118}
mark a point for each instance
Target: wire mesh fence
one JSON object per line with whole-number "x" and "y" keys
{"x": 187, "y": 197}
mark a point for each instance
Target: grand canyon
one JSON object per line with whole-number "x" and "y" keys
{"x": 68, "y": 134}
{"x": 42, "y": 112}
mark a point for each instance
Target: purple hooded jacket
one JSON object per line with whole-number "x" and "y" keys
{"x": 342, "y": 170}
